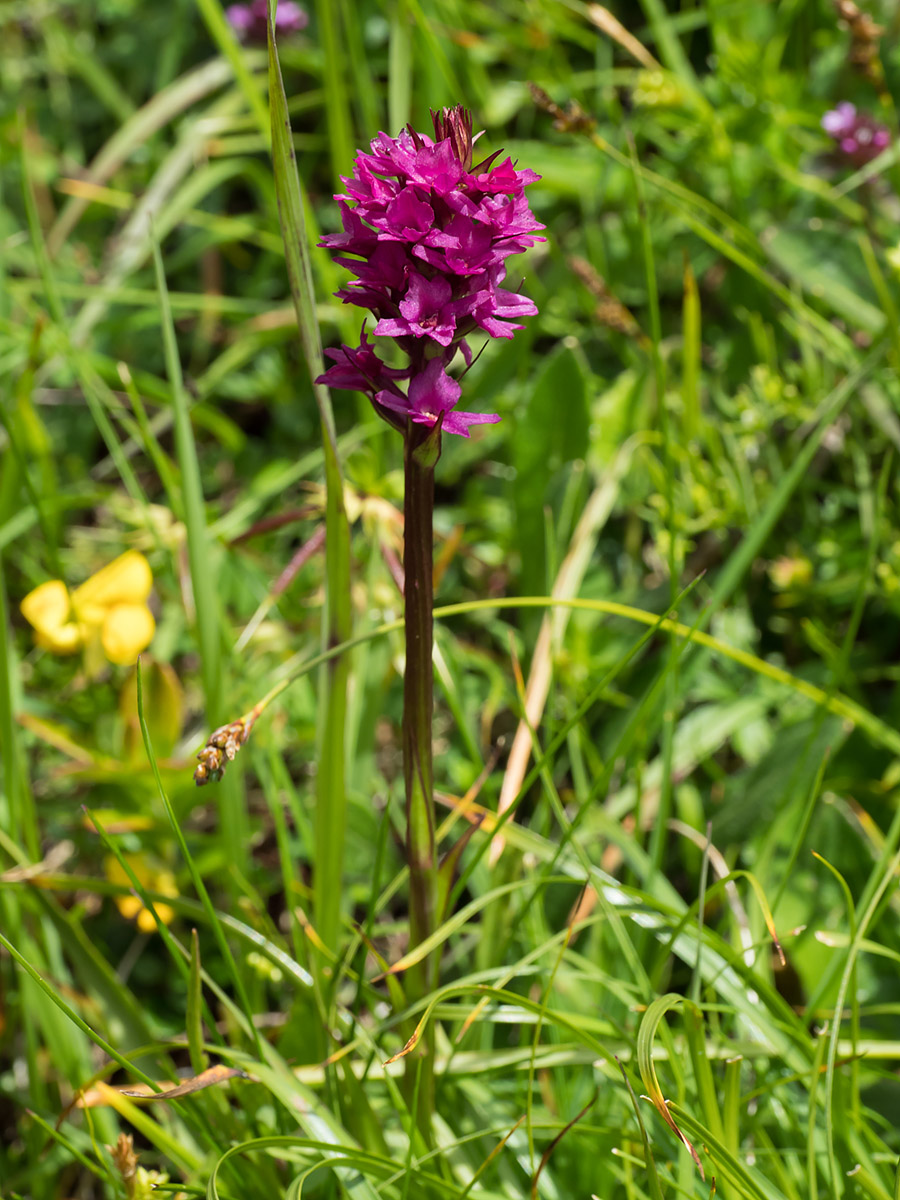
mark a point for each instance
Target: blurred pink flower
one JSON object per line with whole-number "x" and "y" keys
{"x": 858, "y": 137}
{"x": 249, "y": 20}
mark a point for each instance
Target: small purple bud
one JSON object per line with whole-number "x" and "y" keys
{"x": 455, "y": 124}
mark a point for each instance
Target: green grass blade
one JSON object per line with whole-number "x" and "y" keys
{"x": 199, "y": 885}
{"x": 331, "y": 808}
{"x": 223, "y": 35}
{"x": 400, "y": 69}
{"x": 66, "y": 1009}
{"x": 691, "y": 347}
{"x": 200, "y": 558}
{"x": 194, "y": 1020}
{"x": 337, "y": 107}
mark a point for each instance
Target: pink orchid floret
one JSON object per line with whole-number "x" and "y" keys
{"x": 427, "y": 235}
{"x": 360, "y": 369}
{"x": 425, "y": 311}
{"x": 433, "y": 395}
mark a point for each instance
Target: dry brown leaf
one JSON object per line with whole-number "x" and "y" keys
{"x": 49, "y": 865}
{"x": 613, "y": 28}
{"x": 410, "y": 1045}
{"x": 101, "y": 1094}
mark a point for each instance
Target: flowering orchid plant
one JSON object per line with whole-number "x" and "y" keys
{"x": 429, "y": 235}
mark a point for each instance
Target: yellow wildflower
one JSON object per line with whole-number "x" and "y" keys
{"x": 153, "y": 879}
{"x": 107, "y": 613}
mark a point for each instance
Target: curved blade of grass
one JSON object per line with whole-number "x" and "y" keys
{"x": 459, "y": 919}
{"x": 839, "y": 704}
{"x": 747, "y": 1181}
{"x": 649, "y": 1163}
{"x": 334, "y": 1156}
{"x": 650, "y": 1023}
{"x": 569, "y": 1022}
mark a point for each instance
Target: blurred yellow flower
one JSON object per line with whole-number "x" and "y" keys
{"x": 107, "y": 614}
{"x": 153, "y": 879}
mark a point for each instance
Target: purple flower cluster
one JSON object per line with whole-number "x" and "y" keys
{"x": 249, "y": 20}
{"x": 430, "y": 234}
{"x": 858, "y": 136}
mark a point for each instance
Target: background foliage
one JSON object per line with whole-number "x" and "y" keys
{"x": 709, "y": 397}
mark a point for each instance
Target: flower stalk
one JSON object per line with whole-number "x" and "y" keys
{"x": 418, "y": 766}
{"x": 418, "y": 696}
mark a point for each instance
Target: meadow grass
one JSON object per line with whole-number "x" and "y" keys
{"x": 667, "y": 588}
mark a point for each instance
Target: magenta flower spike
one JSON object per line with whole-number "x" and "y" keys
{"x": 429, "y": 234}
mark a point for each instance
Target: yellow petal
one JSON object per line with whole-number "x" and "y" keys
{"x": 126, "y": 580}
{"x": 129, "y": 907}
{"x": 127, "y": 630}
{"x": 145, "y": 922}
{"x": 164, "y": 883}
{"x": 47, "y": 607}
{"x": 64, "y": 640}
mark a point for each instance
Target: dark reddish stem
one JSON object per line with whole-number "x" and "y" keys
{"x": 418, "y": 706}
